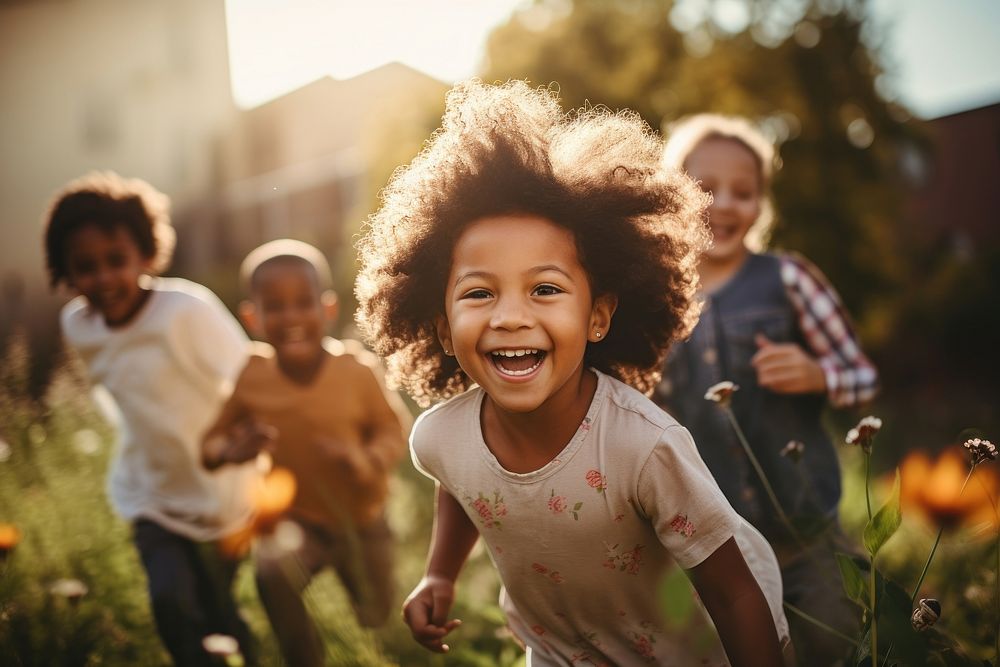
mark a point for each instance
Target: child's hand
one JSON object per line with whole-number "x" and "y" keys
{"x": 249, "y": 438}
{"x": 426, "y": 612}
{"x": 785, "y": 368}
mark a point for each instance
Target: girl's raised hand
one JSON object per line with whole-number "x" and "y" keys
{"x": 785, "y": 368}
{"x": 426, "y": 612}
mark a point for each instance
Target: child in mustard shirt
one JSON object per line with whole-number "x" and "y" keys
{"x": 319, "y": 408}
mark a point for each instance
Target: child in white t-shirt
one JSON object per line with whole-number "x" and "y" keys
{"x": 167, "y": 351}
{"x": 540, "y": 264}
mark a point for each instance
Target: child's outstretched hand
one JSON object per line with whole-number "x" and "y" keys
{"x": 785, "y": 368}
{"x": 249, "y": 438}
{"x": 426, "y": 612}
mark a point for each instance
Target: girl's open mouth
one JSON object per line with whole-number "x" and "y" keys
{"x": 516, "y": 363}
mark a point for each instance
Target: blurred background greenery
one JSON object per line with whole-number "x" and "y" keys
{"x": 899, "y": 211}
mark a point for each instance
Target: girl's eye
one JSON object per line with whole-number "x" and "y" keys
{"x": 83, "y": 267}
{"x": 546, "y": 290}
{"x": 476, "y": 294}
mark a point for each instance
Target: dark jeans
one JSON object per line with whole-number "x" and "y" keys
{"x": 190, "y": 594}
{"x": 363, "y": 559}
{"x": 812, "y": 583}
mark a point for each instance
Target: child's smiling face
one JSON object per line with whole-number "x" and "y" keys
{"x": 105, "y": 266}
{"x": 729, "y": 170}
{"x": 290, "y": 312}
{"x": 519, "y": 310}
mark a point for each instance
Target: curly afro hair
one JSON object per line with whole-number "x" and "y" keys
{"x": 107, "y": 200}
{"x": 509, "y": 149}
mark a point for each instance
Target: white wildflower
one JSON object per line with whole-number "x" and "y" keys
{"x": 721, "y": 392}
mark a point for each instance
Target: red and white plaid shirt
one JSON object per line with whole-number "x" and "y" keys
{"x": 851, "y": 377}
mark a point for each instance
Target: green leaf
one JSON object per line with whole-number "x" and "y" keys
{"x": 855, "y": 583}
{"x": 885, "y": 522}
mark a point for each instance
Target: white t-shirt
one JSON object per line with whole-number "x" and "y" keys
{"x": 582, "y": 543}
{"x": 168, "y": 371}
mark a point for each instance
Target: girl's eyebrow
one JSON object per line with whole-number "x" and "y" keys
{"x": 549, "y": 267}
{"x": 472, "y": 274}
{"x": 532, "y": 271}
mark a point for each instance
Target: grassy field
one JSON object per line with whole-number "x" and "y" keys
{"x": 53, "y": 463}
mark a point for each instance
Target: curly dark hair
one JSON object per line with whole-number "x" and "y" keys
{"x": 107, "y": 200}
{"x": 509, "y": 149}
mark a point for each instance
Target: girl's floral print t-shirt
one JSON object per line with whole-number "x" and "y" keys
{"x": 582, "y": 544}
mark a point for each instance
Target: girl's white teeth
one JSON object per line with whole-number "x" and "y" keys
{"x": 526, "y": 371}
{"x": 512, "y": 353}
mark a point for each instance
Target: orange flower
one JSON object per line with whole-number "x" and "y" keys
{"x": 272, "y": 497}
{"x": 9, "y": 536}
{"x": 269, "y": 497}
{"x": 934, "y": 488}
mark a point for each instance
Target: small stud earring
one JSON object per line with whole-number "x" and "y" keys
{"x": 598, "y": 334}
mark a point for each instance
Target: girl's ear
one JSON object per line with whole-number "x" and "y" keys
{"x": 600, "y": 317}
{"x": 248, "y": 315}
{"x": 331, "y": 305}
{"x": 444, "y": 335}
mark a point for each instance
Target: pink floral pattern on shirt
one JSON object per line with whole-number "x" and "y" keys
{"x": 559, "y": 505}
{"x": 548, "y": 572}
{"x": 618, "y": 558}
{"x": 596, "y": 480}
{"x": 488, "y": 511}
{"x": 682, "y": 526}
{"x": 643, "y": 640}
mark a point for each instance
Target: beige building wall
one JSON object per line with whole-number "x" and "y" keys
{"x": 138, "y": 86}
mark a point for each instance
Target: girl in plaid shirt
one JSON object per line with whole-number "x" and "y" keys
{"x": 774, "y": 325}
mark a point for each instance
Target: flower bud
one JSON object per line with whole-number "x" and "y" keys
{"x": 864, "y": 433}
{"x": 793, "y": 451}
{"x": 926, "y": 614}
{"x": 980, "y": 450}
{"x": 721, "y": 392}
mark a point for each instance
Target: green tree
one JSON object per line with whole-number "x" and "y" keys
{"x": 801, "y": 69}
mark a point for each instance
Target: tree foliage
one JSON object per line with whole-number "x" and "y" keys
{"x": 810, "y": 73}
{"x": 807, "y": 80}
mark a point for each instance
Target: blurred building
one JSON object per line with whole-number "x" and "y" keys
{"x": 138, "y": 87}
{"x": 301, "y": 165}
{"x": 142, "y": 87}
{"x": 955, "y": 187}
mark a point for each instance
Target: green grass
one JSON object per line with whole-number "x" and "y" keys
{"x": 52, "y": 489}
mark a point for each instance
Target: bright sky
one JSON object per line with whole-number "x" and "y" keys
{"x": 945, "y": 53}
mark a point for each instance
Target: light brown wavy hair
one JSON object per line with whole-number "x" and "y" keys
{"x": 510, "y": 149}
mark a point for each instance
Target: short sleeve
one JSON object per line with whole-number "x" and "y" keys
{"x": 216, "y": 341}
{"x": 419, "y": 452}
{"x": 683, "y": 502}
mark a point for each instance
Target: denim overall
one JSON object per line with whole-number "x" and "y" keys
{"x": 753, "y": 301}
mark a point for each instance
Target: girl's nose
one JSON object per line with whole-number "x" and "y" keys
{"x": 721, "y": 199}
{"x": 104, "y": 276}
{"x": 511, "y": 313}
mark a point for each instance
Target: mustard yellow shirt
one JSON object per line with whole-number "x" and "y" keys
{"x": 345, "y": 402}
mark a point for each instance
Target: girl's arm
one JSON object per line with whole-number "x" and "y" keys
{"x": 834, "y": 362}
{"x": 738, "y": 608}
{"x": 426, "y": 609}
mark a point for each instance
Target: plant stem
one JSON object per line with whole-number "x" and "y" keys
{"x": 820, "y": 624}
{"x": 868, "y": 483}
{"x": 762, "y": 476}
{"x": 937, "y": 540}
{"x": 874, "y": 630}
